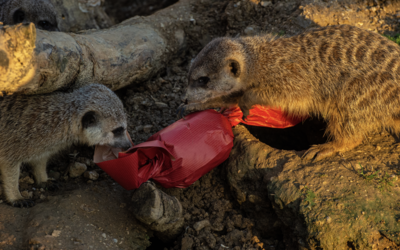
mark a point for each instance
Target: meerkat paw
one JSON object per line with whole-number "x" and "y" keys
{"x": 180, "y": 111}
{"x": 185, "y": 109}
{"x": 319, "y": 152}
{"x": 23, "y": 203}
{"x": 245, "y": 112}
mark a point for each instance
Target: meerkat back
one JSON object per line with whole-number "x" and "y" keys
{"x": 348, "y": 75}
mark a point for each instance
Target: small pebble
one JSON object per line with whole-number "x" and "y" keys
{"x": 56, "y": 233}
{"x": 42, "y": 197}
{"x": 27, "y": 180}
{"x": 104, "y": 236}
{"x": 249, "y": 31}
{"x": 201, "y": 224}
{"x": 147, "y": 128}
{"x": 26, "y": 194}
{"x": 77, "y": 169}
{"x": 91, "y": 175}
{"x": 115, "y": 240}
{"x": 328, "y": 219}
{"x": 161, "y": 105}
{"x": 265, "y": 3}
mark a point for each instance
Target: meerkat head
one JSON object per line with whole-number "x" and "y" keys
{"x": 218, "y": 70}
{"x": 40, "y": 12}
{"x": 103, "y": 120}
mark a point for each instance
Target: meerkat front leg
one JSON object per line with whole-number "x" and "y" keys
{"x": 250, "y": 98}
{"x": 40, "y": 173}
{"x": 10, "y": 176}
{"x": 185, "y": 109}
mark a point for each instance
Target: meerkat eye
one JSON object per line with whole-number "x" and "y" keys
{"x": 45, "y": 25}
{"x": 203, "y": 80}
{"x": 89, "y": 119}
{"x": 118, "y": 131}
{"x": 234, "y": 67}
{"x": 18, "y": 16}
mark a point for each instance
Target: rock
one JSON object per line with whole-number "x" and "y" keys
{"x": 161, "y": 105}
{"x": 265, "y": 3}
{"x": 201, "y": 224}
{"x": 91, "y": 175}
{"x": 26, "y": 194}
{"x": 27, "y": 180}
{"x": 249, "y": 31}
{"x": 147, "y": 128}
{"x": 56, "y": 233}
{"x": 187, "y": 243}
{"x": 77, "y": 169}
{"x": 234, "y": 237}
{"x": 159, "y": 211}
{"x": 326, "y": 203}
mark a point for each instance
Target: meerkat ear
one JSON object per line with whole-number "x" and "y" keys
{"x": 89, "y": 119}
{"x": 234, "y": 67}
{"x": 18, "y": 16}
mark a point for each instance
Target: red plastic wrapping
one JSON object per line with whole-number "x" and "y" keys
{"x": 181, "y": 153}
{"x": 176, "y": 156}
{"x": 262, "y": 116}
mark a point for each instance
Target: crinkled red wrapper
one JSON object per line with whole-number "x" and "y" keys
{"x": 181, "y": 153}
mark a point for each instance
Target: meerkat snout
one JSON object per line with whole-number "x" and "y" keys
{"x": 216, "y": 72}
{"x": 40, "y": 12}
{"x": 217, "y": 76}
{"x": 93, "y": 124}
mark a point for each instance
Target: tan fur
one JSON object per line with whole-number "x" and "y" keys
{"x": 349, "y": 76}
{"x": 33, "y": 128}
{"x": 40, "y": 12}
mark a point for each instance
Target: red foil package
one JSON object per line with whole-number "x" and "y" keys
{"x": 181, "y": 153}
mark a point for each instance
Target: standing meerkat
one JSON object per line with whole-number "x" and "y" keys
{"x": 40, "y": 12}
{"x": 33, "y": 128}
{"x": 349, "y": 76}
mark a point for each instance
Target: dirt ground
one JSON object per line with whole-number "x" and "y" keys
{"x": 97, "y": 214}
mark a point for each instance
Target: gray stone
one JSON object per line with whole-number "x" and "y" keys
{"x": 201, "y": 224}
{"x": 77, "y": 169}
{"x": 159, "y": 211}
{"x": 91, "y": 175}
{"x": 147, "y": 128}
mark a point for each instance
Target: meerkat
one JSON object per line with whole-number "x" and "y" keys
{"x": 33, "y": 128}
{"x": 40, "y": 12}
{"x": 347, "y": 75}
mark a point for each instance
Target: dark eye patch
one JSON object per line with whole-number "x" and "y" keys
{"x": 89, "y": 119}
{"x": 118, "y": 131}
{"x": 45, "y": 25}
{"x": 202, "y": 81}
{"x": 19, "y": 16}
